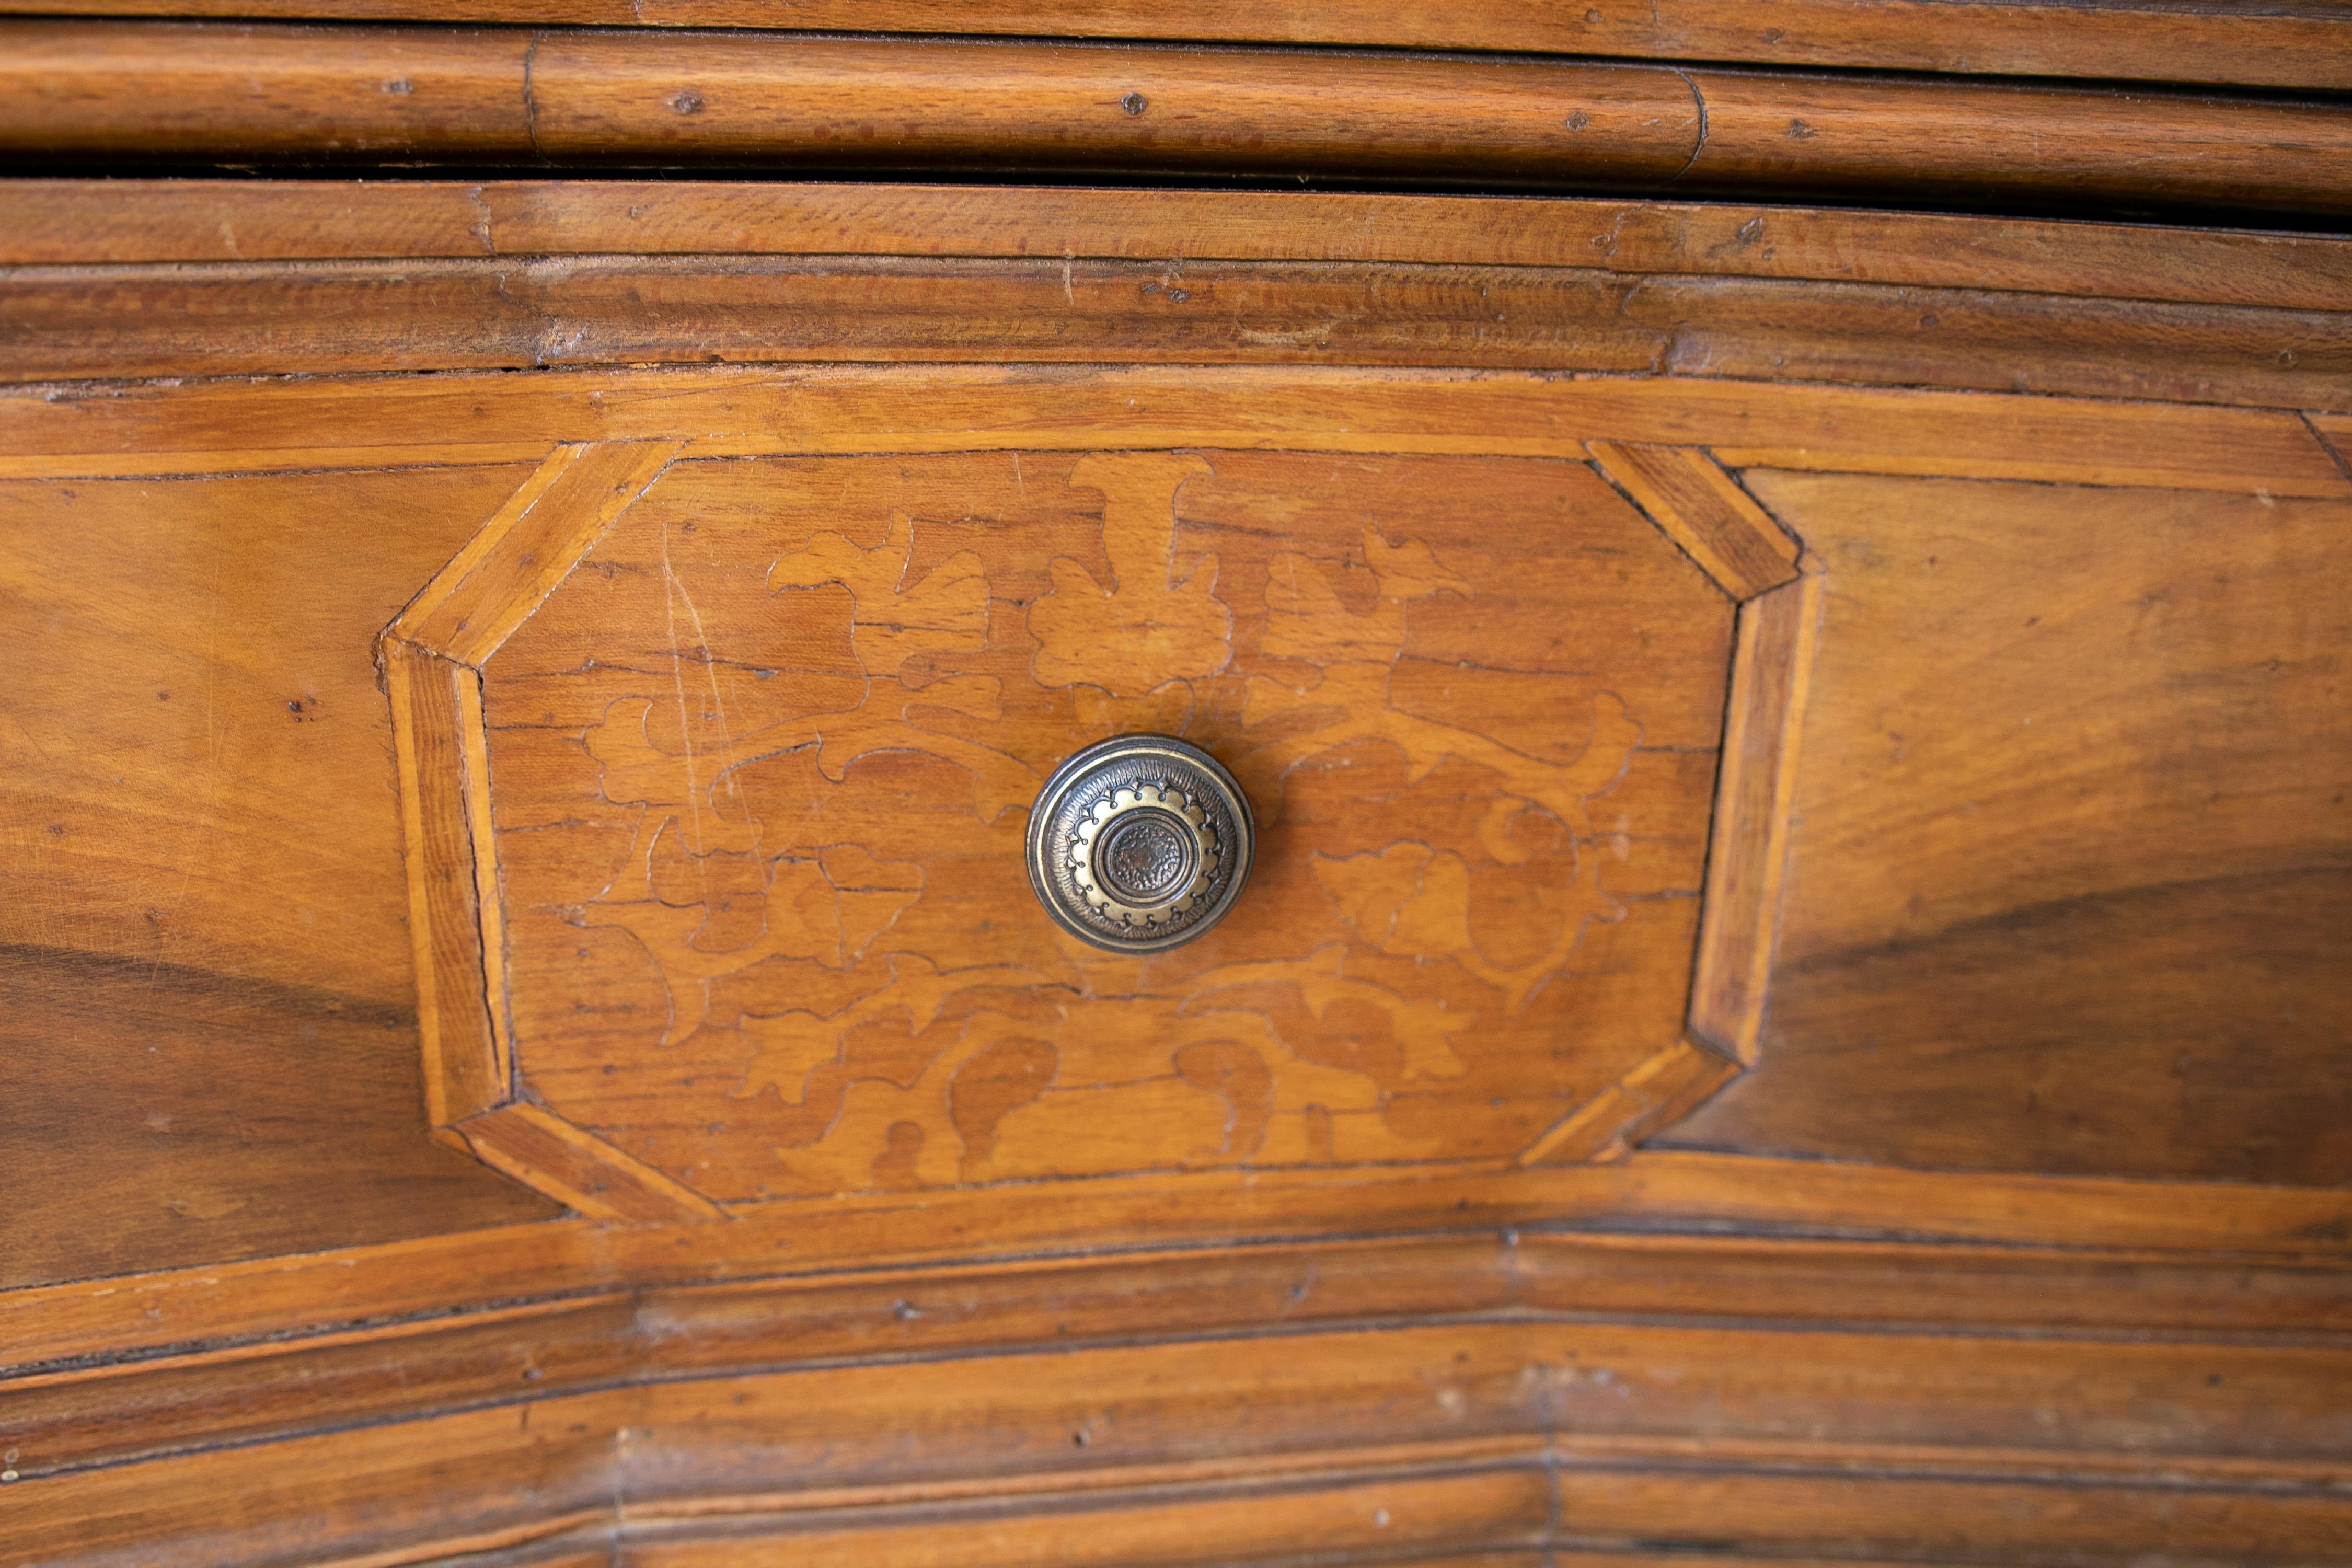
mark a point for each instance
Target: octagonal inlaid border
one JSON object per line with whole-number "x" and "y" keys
{"x": 432, "y": 656}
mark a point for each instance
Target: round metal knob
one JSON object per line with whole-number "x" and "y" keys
{"x": 1140, "y": 844}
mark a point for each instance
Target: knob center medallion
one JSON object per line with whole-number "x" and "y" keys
{"x": 1143, "y": 858}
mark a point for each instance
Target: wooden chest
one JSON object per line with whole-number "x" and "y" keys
{"x": 1777, "y": 982}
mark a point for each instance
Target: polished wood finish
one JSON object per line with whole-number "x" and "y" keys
{"x": 1703, "y": 510}
{"x": 745, "y": 886}
{"x": 1763, "y": 735}
{"x": 208, "y": 94}
{"x": 2149, "y": 849}
{"x": 460, "y": 956}
{"x": 299, "y": 92}
{"x": 224, "y": 427}
{"x": 204, "y": 920}
{"x": 833, "y": 273}
{"x": 236, "y": 320}
{"x": 1949, "y": 1412}
{"x": 129, "y": 220}
{"x": 2285, "y": 45}
{"x": 1794, "y": 1005}
{"x": 70, "y": 1418}
{"x": 1702, "y": 1195}
{"x": 1461, "y": 414}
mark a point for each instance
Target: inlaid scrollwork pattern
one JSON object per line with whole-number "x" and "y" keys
{"x": 764, "y": 761}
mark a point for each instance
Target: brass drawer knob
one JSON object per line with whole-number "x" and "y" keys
{"x": 1140, "y": 844}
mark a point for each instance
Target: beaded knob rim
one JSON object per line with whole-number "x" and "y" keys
{"x": 1140, "y": 843}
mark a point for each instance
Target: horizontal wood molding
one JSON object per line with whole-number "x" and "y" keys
{"x": 1628, "y": 1372}
{"x": 207, "y": 94}
{"x": 1499, "y": 1503}
{"x": 230, "y": 426}
{"x": 1673, "y": 1191}
{"x": 314, "y": 318}
{"x": 2286, "y": 43}
{"x": 74, "y": 1416}
{"x": 63, "y": 221}
{"x": 107, "y": 280}
{"x": 1454, "y": 1506}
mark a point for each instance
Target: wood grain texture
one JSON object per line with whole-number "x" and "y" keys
{"x": 2288, "y": 45}
{"x": 578, "y": 1170}
{"x": 1829, "y": 134}
{"x": 128, "y": 221}
{"x": 1459, "y": 403}
{"x": 1347, "y": 1519}
{"x": 2252, "y": 1232}
{"x": 2334, "y": 432}
{"x": 1654, "y": 1094}
{"x": 77, "y": 324}
{"x": 455, "y": 915}
{"x": 2104, "y": 728}
{"x": 1683, "y": 291}
{"x": 212, "y": 995}
{"x": 201, "y": 93}
{"x": 488, "y": 418}
{"x": 521, "y": 555}
{"x": 1082, "y": 1269}
{"x": 1816, "y": 1438}
{"x": 760, "y": 762}
{"x": 683, "y": 98}
{"x": 1755, "y": 795}
{"x": 195, "y": 91}
{"x": 1962, "y": 1518}
{"x": 1703, "y": 509}
{"x": 262, "y": 92}
{"x": 77, "y": 1416}
{"x": 1966, "y": 337}
{"x": 457, "y": 906}
{"x": 81, "y": 322}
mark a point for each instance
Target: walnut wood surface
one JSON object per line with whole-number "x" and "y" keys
{"x": 204, "y": 920}
{"x": 578, "y": 1170}
{"x": 793, "y": 272}
{"x": 2058, "y": 809}
{"x": 1704, "y": 511}
{"x": 2210, "y": 449}
{"x": 758, "y": 763}
{"x": 236, "y": 319}
{"x": 1930, "y": 1427}
{"x": 211, "y": 94}
{"x": 2275, "y": 44}
{"x": 72, "y": 1416}
{"x": 524, "y": 552}
{"x": 1709, "y": 1195}
{"x": 1746, "y": 859}
{"x": 2104, "y": 728}
{"x": 126, "y": 220}
{"x": 1649, "y": 1095}
{"x": 285, "y": 426}
{"x": 453, "y": 903}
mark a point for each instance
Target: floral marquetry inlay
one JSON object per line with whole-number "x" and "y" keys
{"x": 755, "y": 775}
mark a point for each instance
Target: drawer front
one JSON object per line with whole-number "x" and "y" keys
{"x": 719, "y": 770}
